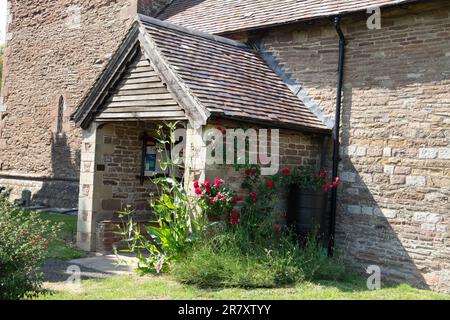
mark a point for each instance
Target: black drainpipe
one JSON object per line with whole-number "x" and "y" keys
{"x": 336, "y": 133}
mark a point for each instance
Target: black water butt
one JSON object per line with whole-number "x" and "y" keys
{"x": 306, "y": 211}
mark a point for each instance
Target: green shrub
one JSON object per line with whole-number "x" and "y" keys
{"x": 24, "y": 239}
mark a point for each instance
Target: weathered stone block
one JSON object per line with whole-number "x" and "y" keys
{"x": 348, "y": 176}
{"x": 396, "y": 179}
{"x": 439, "y": 182}
{"x": 389, "y": 169}
{"x": 420, "y": 216}
{"x": 402, "y": 170}
{"x": 361, "y": 151}
{"x": 353, "y": 209}
{"x": 352, "y": 191}
{"x": 428, "y": 153}
{"x": 374, "y": 152}
{"x": 3, "y": 144}
{"x": 387, "y": 213}
{"x": 444, "y": 153}
{"x": 434, "y": 218}
{"x": 351, "y": 150}
{"x": 428, "y": 227}
{"x": 366, "y": 177}
{"x": 387, "y": 152}
{"x": 418, "y": 181}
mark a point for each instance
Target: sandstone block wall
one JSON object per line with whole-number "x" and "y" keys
{"x": 54, "y": 48}
{"x": 118, "y": 158}
{"x": 121, "y": 159}
{"x": 111, "y": 162}
{"x": 295, "y": 149}
{"x": 110, "y": 181}
{"x": 394, "y": 202}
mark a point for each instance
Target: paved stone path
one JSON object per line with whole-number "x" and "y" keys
{"x": 97, "y": 267}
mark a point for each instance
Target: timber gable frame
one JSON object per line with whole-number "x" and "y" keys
{"x": 196, "y": 114}
{"x": 136, "y": 40}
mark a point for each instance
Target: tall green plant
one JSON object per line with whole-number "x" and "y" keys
{"x": 179, "y": 222}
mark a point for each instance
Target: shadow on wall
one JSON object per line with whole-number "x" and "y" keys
{"x": 367, "y": 230}
{"x": 61, "y": 190}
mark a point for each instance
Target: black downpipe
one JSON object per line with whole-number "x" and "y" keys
{"x": 336, "y": 133}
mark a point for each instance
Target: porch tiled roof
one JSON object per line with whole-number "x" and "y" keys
{"x": 222, "y": 16}
{"x": 228, "y": 78}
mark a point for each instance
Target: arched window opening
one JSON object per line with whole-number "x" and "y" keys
{"x": 60, "y": 120}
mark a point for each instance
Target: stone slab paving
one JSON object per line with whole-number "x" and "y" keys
{"x": 96, "y": 267}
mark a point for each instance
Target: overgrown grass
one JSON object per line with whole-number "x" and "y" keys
{"x": 63, "y": 248}
{"x": 232, "y": 259}
{"x": 207, "y": 268}
{"x": 165, "y": 287}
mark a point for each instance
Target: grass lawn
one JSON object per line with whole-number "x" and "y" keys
{"x": 63, "y": 248}
{"x": 164, "y": 287}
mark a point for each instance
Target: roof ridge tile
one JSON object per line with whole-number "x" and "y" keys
{"x": 146, "y": 19}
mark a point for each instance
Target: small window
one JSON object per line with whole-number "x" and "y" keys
{"x": 60, "y": 120}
